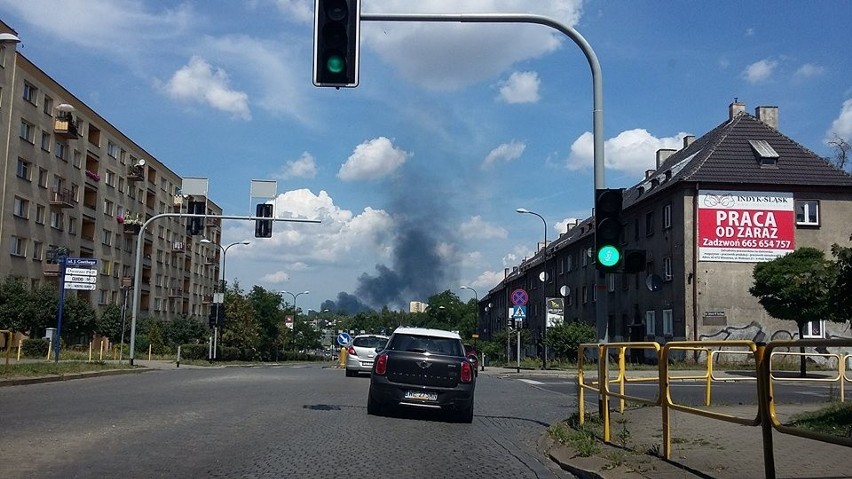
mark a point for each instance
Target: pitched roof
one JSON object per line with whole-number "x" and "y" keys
{"x": 730, "y": 153}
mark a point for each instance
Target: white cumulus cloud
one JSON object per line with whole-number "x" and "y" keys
{"x": 276, "y": 277}
{"x": 199, "y": 82}
{"x": 477, "y": 228}
{"x": 842, "y": 125}
{"x": 521, "y": 87}
{"x": 808, "y": 70}
{"x": 506, "y": 152}
{"x": 632, "y": 151}
{"x": 373, "y": 159}
{"x": 304, "y": 167}
{"x": 453, "y": 55}
{"x": 759, "y": 71}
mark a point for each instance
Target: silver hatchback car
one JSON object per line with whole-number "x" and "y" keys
{"x": 362, "y": 352}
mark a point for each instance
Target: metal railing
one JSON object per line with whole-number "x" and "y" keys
{"x": 762, "y": 355}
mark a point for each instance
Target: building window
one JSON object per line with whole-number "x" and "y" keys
{"x": 109, "y": 207}
{"x": 21, "y": 208}
{"x": 650, "y": 323}
{"x": 38, "y": 251}
{"x": 106, "y": 267}
{"x": 668, "y": 323}
{"x": 112, "y": 149}
{"x": 814, "y": 329}
{"x": 61, "y": 151}
{"x": 39, "y": 217}
{"x": 667, "y": 268}
{"x": 28, "y": 131}
{"x": 106, "y": 237}
{"x": 649, "y": 223}
{"x": 110, "y": 178}
{"x": 585, "y": 294}
{"x": 667, "y": 216}
{"x": 78, "y": 159}
{"x": 72, "y": 225}
{"x": 30, "y": 93}
{"x": 56, "y": 220}
{"x": 18, "y": 246}
{"x": 636, "y": 229}
{"x": 42, "y": 177}
{"x": 23, "y": 169}
{"x": 45, "y": 141}
{"x": 807, "y": 212}
{"x": 569, "y": 262}
{"x": 610, "y": 283}
{"x": 48, "y": 106}
{"x": 103, "y": 295}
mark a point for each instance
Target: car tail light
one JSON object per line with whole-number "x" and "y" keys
{"x": 466, "y": 372}
{"x": 382, "y": 364}
{"x": 352, "y": 351}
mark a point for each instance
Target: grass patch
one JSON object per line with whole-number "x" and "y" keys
{"x": 835, "y": 419}
{"x": 28, "y": 370}
{"x": 583, "y": 438}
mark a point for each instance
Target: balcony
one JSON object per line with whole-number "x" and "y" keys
{"x": 135, "y": 172}
{"x": 51, "y": 269}
{"x": 64, "y": 127}
{"x": 62, "y": 198}
{"x": 93, "y": 176}
{"x": 175, "y": 293}
{"x": 178, "y": 247}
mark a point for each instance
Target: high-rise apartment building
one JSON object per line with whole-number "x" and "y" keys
{"x": 74, "y": 184}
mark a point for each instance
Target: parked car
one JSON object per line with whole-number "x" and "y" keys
{"x": 362, "y": 352}
{"x": 473, "y": 355}
{"x": 423, "y": 368}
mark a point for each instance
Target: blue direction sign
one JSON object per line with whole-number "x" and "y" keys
{"x": 81, "y": 262}
{"x": 344, "y": 339}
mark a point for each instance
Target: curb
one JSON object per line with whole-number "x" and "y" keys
{"x": 68, "y": 377}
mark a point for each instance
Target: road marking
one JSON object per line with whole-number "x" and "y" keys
{"x": 530, "y": 381}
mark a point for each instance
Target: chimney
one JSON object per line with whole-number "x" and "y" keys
{"x": 768, "y": 115}
{"x": 735, "y": 108}
{"x": 687, "y": 140}
{"x": 663, "y": 154}
{"x": 505, "y": 273}
{"x": 649, "y": 173}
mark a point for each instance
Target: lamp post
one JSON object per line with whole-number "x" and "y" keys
{"x": 218, "y": 284}
{"x": 476, "y": 296}
{"x": 295, "y": 311}
{"x": 544, "y": 280}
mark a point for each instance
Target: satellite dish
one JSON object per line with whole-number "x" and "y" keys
{"x": 542, "y": 276}
{"x": 653, "y": 282}
{"x": 141, "y": 162}
{"x": 64, "y": 107}
{"x": 565, "y": 291}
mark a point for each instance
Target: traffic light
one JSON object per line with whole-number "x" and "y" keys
{"x": 608, "y": 251}
{"x": 217, "y": 315}
{"x": 195, "y": 226}
{"x": 263, "y": 228}
{"x": 336, "y": 42}
{"x": 634, "y": 261}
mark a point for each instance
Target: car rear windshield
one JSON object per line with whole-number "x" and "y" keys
{"x": 426, "y": 344}
{"x": 370, "y": 342}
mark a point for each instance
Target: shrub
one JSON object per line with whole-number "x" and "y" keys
{"x": 35, "y": 348}
{"x": 193, "y": 351}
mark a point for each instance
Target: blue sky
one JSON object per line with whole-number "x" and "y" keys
{"x": 416, "y": 174}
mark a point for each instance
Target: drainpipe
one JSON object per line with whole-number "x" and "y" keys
{"x": 695, "y": 269}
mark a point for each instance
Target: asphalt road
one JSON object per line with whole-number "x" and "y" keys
{"x": 265, "y": 422}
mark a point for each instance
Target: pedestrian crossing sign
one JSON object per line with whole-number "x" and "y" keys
{"x": 519, "y": 313}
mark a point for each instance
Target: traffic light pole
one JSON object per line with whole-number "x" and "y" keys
{"x": 140, "y": 240}
{"x": 601, "y": 306}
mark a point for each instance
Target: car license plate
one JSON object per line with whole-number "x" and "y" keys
{"x": 367, "y": 364}
{"x": 421, "y": 396}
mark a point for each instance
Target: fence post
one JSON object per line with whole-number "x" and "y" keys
{"x": 663, "y": 372}
{"x": 764, "y": 397}
{"x": 603, "y": 390}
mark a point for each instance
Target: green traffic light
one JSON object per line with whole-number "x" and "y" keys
{"x": 335, "y": 64}
{"x": 608, "y": 256}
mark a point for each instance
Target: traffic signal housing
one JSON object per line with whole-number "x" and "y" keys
{"x": 217, "y": 315}
{"x": 336, "y": 43}
{"x": 634, "y": 261}
{"x": 608, "y": 228}
{"x": 263, "y": 228}
{"x": 195, "y": 225}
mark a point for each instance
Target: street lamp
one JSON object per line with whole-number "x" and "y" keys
{"x": 476, "y": 296}
{"x": 295, "y": 311}
{"x": 544, "y": 279}
{"x": 224, "y": 255}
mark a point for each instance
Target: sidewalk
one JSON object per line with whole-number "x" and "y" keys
{"x": 701, "y": 447}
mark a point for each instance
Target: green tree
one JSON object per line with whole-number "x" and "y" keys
{"x": 109, "y": 322}
{"x": 564, "y": 339}
{"x": 43, "y": 308}
{"x": 840, "y": 299}
{"x": 269, "y": 316}
{"x": 14, "y": 305}
{"x": 185, "y": 330}
{"x": 795, "y": 287}
{"x": 79, "y": 320}
{"x": 241, "y": 328}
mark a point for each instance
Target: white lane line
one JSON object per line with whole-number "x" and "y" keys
{"x": 530, "y": 381}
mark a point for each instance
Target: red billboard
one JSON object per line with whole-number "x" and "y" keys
{"x": 745, "y": 226}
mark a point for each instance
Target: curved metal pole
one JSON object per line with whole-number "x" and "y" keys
{"x": 140, "y": 241}
{"x": 597, "y": 80}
